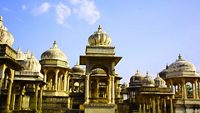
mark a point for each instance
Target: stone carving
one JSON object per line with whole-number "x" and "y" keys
{"x": 28, "y": 61}
{"x": 5, "y": 36}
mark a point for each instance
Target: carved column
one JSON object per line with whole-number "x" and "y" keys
{"x": 36, "y": 96}
{"x": 109, "y": 90}
{"x": 165, "y": 109}
{"x": 87, "y": 89}
{"x": 65, "y": 81}
{"x": 193, "y": 91}
{"x": 196, "y": 89}
{"x": 140, "y": 108}
{"x": 13, "y": 98}
{"x": 59, "y": 82}
{"x": 45, "y": 77}
{"x": 97, "y": 92}
{"x": 9, "y": 94}
{"x": 113, "y": 89}
{"x": 158, "y": 105}
{"x": 153, "y": 105}
{"x": 56, "y": 80}
{"x": 199, "y": 88}
{"x": 171, "y": 105}
{"x": 144, "y": 108}
{"x": 68, "y": 79}
{"x": 184, "y": 93}
{"x": 40, "y": 99}
{"x": 20, "y": 97}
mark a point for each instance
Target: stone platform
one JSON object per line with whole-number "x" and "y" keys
{"x": 100, "y": 108}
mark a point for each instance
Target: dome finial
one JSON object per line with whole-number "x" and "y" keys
{"x": 137, "y": 71}
{"x": 99, "y": 28}
{"x": 1, "y": 18}
{"x": 147, "y": 73}
{"x": 180, "y": 57}
{"x": 55, "y": 44}
{"x": 1, "y": 22}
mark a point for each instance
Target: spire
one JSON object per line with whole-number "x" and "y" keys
{"x": 180, "y": 57}
{"x": 19, "y": 49}
{"x": 167, "y": 66}
{"x": 137, "y": 71}
{"x": 77, "y": 63}
{"x": 1, "y": 22}
{"x": 99, "y": 28}
{"x": 1, "y": 18}
{"x": 55, "y": 44}
{"x": 147, "y": 73}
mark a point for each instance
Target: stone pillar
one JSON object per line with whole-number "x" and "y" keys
{"x": 178, "y": 92}
{"x": 65, "y": 81}
{"x": 140, "y": 108}
{"x": 87, "y": 89}
{"x": 45, "y": 77}
{"x": 40, "y": 99}
{"x": 171, "y": 105}
{"x": 109, "y": 90}
{"x": 196, "y": 89}
{"x": 158, "y": 105}
{"x": 199, "y": 88}
{"x": 113, "y": 89}
{"x": 56, "y": 80}
{"x": 20, "y": 97}
{"x": 171, "y": 84}
{"x": 153, "y": 105}
{"x": 193, "y": 91}
{"x": 9, "y": 94}
{"x": 97, "y": 91}
{"x": 13, "y": 99}
{"x": 59, "y": 82}
{"x": 68, "y": 79}
{"x": 144, "y": 108}
{"x": 2, "y": 73}
{"x": 68, "y": 103}
{"x": 165, "y": 107}
{"x": 184, "y": 93}
{"x": 36, "y": 96}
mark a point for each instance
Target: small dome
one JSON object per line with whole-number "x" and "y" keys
{"x": 28, "y": 61}
{"x": 148, "y": 81}
{"x": 99, "y": 38}
{"x": 124, "y": 85}
{"x": 137, "y": 77}
{"x": 77, "y": 69}
{"x": 159, "y": 82}
{"x": 5, "y": 36}
{"x": 54, "y": 53}
{"x": 98, "y": 71}
{"x": 181, "y": 65}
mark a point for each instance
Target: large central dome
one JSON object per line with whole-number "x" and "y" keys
{"x": 181, "y": 65}
{"x": 99, "y": 38}
{"x": 54, "y": 53}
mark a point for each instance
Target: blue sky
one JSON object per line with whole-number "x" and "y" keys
{"x": 148, "y": 34}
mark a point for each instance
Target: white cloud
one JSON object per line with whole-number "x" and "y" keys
{"x": 87, "y": 10}
{"x": 24, "y": 7}
{"x": 62, "y": 13}
{"x": 75, "y": 1}
{"x": 43, "y": 8}
{"x": 5, "y": 9}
